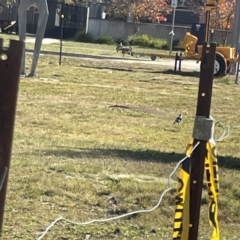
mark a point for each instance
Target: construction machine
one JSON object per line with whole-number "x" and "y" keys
{"x": 225, "y": 56}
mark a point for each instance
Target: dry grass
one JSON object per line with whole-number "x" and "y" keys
{"x": 69, "y": 46}
{"x": 72, "y": 152}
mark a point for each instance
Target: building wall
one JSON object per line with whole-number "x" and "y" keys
{"x": 119, "y": 29}
{"x": 183, "y": 16}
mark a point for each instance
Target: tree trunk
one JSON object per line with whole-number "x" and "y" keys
{"x": 135, "y": 25}
{"x": 225, "y": 37}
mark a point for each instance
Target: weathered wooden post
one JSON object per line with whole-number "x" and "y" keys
{"x": 10, "y": 67}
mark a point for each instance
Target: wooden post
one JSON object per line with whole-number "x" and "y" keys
{"x": 198, "y": 156}
{"x": 10, "y": 67}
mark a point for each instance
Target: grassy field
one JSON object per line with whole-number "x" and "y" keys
{"x": 75, "y": 155}
{"x": 80, "y": 47}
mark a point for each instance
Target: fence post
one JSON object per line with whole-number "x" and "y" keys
{"x": 198, "y": 156}
{"x": 10, "y": 66}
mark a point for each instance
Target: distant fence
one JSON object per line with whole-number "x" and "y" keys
{"x": 118, "y": 29}
{"x": 75, "y": 18}
{"x": 8, "y": 13}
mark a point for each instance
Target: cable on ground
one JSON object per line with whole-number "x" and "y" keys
{"x": 127, "y": 214}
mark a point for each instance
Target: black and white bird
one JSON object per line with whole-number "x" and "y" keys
{"x": 178, "y": 119}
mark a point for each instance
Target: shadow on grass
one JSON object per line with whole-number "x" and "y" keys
{"x": 182, "y": 73}
{"x": 139, "y": 155}
{"x": 91, "y": 56}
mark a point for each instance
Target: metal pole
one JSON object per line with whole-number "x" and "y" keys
{"x": 207, "y": 26}
{"x": 236, "y": 32}
{"x": 61, "y": 38}
{"x": 87, "y": 20}
{"x": 172, "y": 32}
{"x": 10, "y": 67}
{"x": 212, "y": 32}
{"x": 236, "y": 25}
{"x": 237, "y": 70}
{"x": 99, "y": 29}
{"x": 198, "y": 156}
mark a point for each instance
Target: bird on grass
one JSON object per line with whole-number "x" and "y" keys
{"x": 178, "y": 119}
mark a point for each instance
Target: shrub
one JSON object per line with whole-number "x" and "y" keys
{"x": 166, "y": 46}
{"x": 105, "y": 40}
{"x": 148, "y": 41}
{"x": 176, "y": 43}
{"x": 124, "y": 41}
{"x": 140, "y": 40}
{"x": 83, "y": 37}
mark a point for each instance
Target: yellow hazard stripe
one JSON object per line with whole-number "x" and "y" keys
{"x": 188, "y": 47}
{"x": 181, "y": 219}
{"x": 211, "y": 167}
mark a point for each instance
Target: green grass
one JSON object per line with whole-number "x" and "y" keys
{"x": 83, "y": 48}
{"x": 72, "y": 152}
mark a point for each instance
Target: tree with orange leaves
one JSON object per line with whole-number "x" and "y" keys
{"x": 156, "y": 10}
{"x": 153, "y": 10}
{"x": 223, "y": 18}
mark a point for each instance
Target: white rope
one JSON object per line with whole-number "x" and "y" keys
{"x": 226, "y": 131}
{"x": 127, "y": 214}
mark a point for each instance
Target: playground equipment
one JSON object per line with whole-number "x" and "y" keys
{"x": 225, "y": 56}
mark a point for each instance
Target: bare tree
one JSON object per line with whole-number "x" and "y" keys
{"x": 196, "y": 7}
